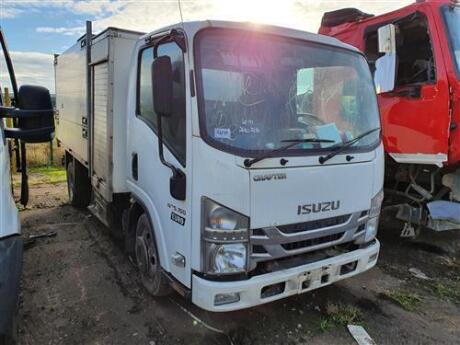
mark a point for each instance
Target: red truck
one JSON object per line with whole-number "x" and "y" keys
{"x": 414, "y": 54}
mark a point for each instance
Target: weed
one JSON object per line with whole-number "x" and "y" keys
{"x": 43, "y": 175}
{"x": 407, "y": 300}
{"x": 340, "y": 315}
{"x": 447, "y": 291}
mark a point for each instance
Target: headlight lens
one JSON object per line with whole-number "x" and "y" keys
{"x": 225, "y": 237}
{"x": 376, "y": 205}
{"x": 218, "y": 217}
{"x": 227, "y": 258}
{"x": 372, "y": 226}
{"x": 221, "y": 218}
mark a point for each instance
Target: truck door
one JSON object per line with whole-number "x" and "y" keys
{"x": 415, "y": 114}
{"x": 170, "y": 217}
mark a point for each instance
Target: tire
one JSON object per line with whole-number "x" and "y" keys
{"x": 147, "y": 259}
{"x": 78, "y": 185}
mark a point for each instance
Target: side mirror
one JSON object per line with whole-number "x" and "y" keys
{"x": 387, "y": 39}
{"x": 385, "y": 66}
{"x": 162, "y": 85}
{"x": 35, "y": 115}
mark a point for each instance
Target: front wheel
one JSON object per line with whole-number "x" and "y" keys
{"x": 148, "y": 261}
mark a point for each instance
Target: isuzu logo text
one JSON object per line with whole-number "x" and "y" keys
{"x": 269, "y": 177}
{"x": 318, "y": 207}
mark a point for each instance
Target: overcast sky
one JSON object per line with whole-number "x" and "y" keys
{"x": 36, "y": 29}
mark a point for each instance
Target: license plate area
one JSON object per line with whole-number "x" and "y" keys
{"x": 315, "y": 278}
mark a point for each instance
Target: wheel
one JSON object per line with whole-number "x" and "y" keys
{"x": 78, "y": 185}
{"x": 148, "y": 261}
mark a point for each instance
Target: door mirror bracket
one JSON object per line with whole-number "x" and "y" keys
{"x": 162, "y": 89}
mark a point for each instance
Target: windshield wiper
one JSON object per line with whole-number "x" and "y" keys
{"x": 292, "y": 142}
{"x": 342, "y": 147}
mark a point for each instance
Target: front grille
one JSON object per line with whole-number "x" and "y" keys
{"x": 258, "y": 249}
{"x": 273, "y": 243}
{"x": 312, "y": 242}
{"x": 313, "y": 225}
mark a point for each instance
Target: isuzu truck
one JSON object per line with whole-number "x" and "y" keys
{"x": 32, "y": 116}
{"x": 414, "y": 53}
{"x": 240, "y": 163}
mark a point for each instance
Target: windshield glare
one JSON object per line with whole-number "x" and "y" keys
{"x": 452, "y": 16}
{"x": 259, "y": 90}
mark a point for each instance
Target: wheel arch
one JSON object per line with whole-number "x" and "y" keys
{"x": 137, "y": 208}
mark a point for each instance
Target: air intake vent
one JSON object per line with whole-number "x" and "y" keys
{"x": 313, "y": 225}
{"x": 312, "y": 242}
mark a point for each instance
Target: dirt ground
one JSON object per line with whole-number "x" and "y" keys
{"x": 80, "y": 288}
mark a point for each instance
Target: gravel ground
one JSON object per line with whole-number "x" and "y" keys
{"x": 80, "y": 288}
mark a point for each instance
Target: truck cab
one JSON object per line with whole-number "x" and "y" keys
{"x": 420, "y": 112}
{"x": 253, "y": 160}
{"x": 249, "y": 92}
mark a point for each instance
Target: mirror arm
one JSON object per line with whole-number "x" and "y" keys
{"x": 14, "y": 133}
{"x": 160, "y": 147}
{"x": 10, "y": 112}
{"x": 177, "y": 181}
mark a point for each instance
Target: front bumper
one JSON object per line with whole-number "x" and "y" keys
{"x": 297, "y": 280}
{"x": 11, "y": 252}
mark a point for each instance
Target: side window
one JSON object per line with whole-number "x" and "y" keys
{"x": 145, "y": 106}
{"x": 415, "y": 60}
{"x": 174, "y": 127}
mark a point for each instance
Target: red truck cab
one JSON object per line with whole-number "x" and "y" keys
{"x": 421, "y": 114}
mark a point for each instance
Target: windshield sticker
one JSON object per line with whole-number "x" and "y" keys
{"x": 222, "y": 133}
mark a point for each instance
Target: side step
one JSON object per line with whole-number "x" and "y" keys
{"x": 99, "y": 208}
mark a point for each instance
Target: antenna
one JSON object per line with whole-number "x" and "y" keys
{"x": 180, "y": 11}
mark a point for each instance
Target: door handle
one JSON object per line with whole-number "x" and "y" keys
{"x": 134, "y": 166}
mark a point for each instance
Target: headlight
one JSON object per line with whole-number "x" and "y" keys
{"x": 225, "y": 235}
{"x": 376, "y": 205}
{"x": 372, "y": 224}
{"x": 372, "y": 227}
{"x": 227, "y": 258}
{"x": 220, "y": 218}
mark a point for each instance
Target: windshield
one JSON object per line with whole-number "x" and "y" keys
{"x": 256, "y": 91}
{"x": 452, "y": 17}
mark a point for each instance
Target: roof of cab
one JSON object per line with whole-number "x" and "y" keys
{"x": 195, "y": 26}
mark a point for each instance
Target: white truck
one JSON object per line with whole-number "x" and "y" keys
{"x": 240, "y": 163}
{"x": 33, "y": 123}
